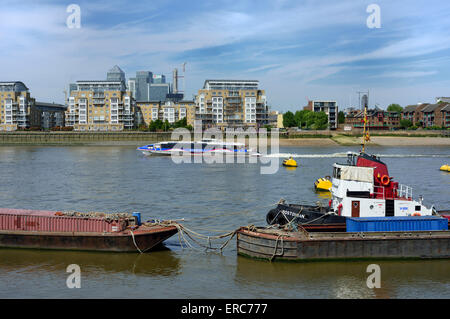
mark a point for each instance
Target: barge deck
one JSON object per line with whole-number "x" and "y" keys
{"x": 117, "y": 232}
{"x": 275, "y": 244}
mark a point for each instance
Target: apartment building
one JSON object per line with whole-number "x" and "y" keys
{"x": 427, "y": 115}
{"x": 231, "y": 103}
{"x": 377, "y": 119}
{"x": 172, "y": 111}
{"x": 52, "y": 114}
{"x": 103, "y": 105}
{"x": 329, "y": 107}
{"x": 414, "y": 113}
{"x": 17, "y": 107}
{"x": 433, "y": 115}
{"x": 446, "y": 116}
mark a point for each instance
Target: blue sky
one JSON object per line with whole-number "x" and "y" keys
{"x": 298, "y": 50}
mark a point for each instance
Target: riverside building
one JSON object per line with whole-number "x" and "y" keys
{"x": 329, "y": 107}
{"x": 231, "y": 103}
{"x": 172, "y": 111}
{"x": 17, "y": 107}
{"x": 104, "y": 105}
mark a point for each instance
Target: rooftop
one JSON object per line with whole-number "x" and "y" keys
{"x": 230, "y": 84}
{"x": 431, "y": 107}
{"x": 19, "y": 86}
{"x": 50, "y": 105}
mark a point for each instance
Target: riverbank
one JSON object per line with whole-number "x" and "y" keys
{"x": 317, "y": 138}
{"x": 393, "y": 140}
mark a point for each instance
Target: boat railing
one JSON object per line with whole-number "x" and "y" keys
{"x": 404, "y": 191}
{"x": 379, "y": 192}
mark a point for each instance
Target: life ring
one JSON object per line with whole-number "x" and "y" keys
{"x": 385, "y": 180}
{"x": 416, "y": 214}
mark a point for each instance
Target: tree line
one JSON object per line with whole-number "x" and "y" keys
{"x": 306, "y": 119}
{"x": 160, "y": 126}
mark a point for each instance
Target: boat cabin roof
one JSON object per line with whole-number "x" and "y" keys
{"x": 353, "y": 173}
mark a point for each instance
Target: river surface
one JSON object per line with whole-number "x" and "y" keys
{"x": 213, "y": 199}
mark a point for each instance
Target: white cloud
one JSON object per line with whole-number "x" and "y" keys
{"x": 37, "y": 47}
{"x": 406, "y": 74}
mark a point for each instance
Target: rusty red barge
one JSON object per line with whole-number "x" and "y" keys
{"x": 119, "y": 232}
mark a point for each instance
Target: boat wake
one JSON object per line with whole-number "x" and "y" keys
{"x": 343, "y": 155}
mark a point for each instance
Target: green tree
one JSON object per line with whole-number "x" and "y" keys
{"x": 288, "y": 119}
{"x": 320, "y": 121}
{"x": 155, "y": 125}
{"x": 180, "y": 123}
{"x": 310, "y": 119}
{"x": 404, "y": 124}
{"x": 394, "y": 108}
{"x": 300, "y": 117}
{"x": 166, "y": 125}
{"x": 341, "y": 117}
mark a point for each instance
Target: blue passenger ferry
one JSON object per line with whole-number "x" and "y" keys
{"x": 205, "y": 146}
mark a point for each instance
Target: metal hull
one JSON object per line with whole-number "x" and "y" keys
{"x": 145, "y": 237}
{"x": 299, "y": 246}
{"x": 302, "y": 214}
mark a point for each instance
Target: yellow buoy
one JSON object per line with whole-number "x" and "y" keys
{"x": 323, "y": 184}
{"x": 445, "y": 168}
{"x": 290, "y": 162}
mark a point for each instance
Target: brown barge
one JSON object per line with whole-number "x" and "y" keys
{"x": 79, "y": 231}
{"x": 275, "y": 244}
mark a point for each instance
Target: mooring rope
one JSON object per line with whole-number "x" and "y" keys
{"x": 191, "y": 238}
{"x": 276, "y": 247}
{"x": 134, "y": 242}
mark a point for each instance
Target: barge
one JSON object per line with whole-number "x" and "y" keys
{"x": 276, "y": 244}
{"x": 121, "y": 232}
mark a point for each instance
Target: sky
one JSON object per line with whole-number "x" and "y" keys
{"x": 298, "y": 50}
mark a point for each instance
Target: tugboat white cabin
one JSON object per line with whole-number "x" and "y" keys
{"x": 363, "y": 188}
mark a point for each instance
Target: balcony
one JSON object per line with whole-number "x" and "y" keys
{"x": 98, "y": 102}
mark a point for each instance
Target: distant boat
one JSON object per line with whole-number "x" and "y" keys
{"x": 205, "y": 146}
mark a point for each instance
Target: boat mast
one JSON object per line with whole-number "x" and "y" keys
{"x": 366, "y": 136}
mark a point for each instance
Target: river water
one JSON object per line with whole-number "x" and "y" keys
{"x": 213, "y": 199}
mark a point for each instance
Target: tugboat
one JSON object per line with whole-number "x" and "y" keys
{"x": 360, "y": 188}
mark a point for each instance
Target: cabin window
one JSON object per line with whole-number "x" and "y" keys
{"x": 337, "y": 173}
{"x": 418, "y": 208}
